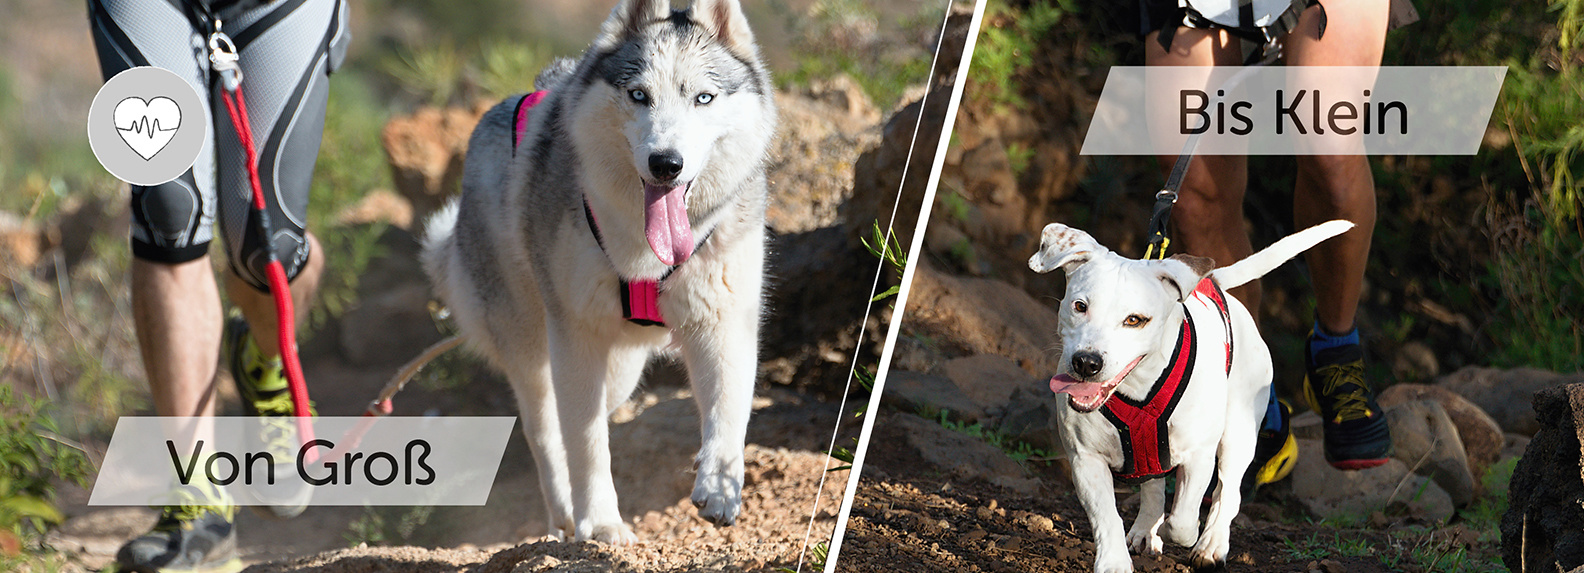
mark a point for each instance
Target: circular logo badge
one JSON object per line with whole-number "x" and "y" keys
{"x": 147, "y": 125}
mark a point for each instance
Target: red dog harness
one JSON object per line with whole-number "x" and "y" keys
{"x": 1141, "y": 424}
{"x": 641, "y": 298}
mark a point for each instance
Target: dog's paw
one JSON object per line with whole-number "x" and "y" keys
{"x": 618, "y": 534}
{"x": 1145, "y": 542}
{"x": 718, "y": 500}
{"x": 1113, "y": 563}
{"x": 718, "y": 494}
{"x": 562, "y": 529}
{"x": 1211, "y": 551}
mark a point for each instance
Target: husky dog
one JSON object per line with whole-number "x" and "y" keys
{"x": 621, "y": 218}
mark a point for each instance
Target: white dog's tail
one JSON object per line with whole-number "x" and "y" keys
{"x": 1257, "y": 264}
{"x": 436, "y": 244}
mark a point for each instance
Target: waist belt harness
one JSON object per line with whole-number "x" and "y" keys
{"x": 1141, "y": 424}
{"x": 1261, "y": 22}
{"x": 640, "y": 299}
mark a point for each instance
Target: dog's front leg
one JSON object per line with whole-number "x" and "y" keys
{"x": 1193, "y": 478}
{"x": 1144, "y": 537}
{"x": 723, "y": 362}
{"x": 1092, "y": 478}
{"x": 583, "y": 365}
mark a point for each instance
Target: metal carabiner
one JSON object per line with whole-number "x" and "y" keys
{"x": 223, "y": 58}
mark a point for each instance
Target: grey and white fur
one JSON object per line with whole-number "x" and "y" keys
{"x": 665, "y": 106}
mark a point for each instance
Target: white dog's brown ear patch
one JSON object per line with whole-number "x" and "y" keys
{"x": 1181, "y": 273}
{"x": 1199, "y": 265}
{"x": 1065, "y": 248}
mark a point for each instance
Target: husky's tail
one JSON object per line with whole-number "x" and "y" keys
{"x": 437, "y": 245}
{"x": 1257, "y": 264}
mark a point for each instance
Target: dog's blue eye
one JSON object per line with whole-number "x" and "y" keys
{"x": 704, "y": 99}
{"x": 638, "y": 96}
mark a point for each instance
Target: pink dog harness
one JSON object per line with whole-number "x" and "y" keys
{"x": 640, "y": 298}
{"x": 1141, "y": 424}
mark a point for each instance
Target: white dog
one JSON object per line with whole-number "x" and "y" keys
{"x": 615, "y": 215}
{"x": 1134, "y": 335}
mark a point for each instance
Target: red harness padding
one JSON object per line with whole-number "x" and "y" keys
{"x": 1142, "y": 424}
{"x": 640, "y": 298}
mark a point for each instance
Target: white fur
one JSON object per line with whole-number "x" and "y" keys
{"x": 1216, "y": 422}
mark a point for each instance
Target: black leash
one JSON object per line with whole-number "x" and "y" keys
{"x": 1167, "y": 196}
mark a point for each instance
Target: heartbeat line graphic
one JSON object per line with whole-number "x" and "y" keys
{"x": 147, "y": 126}
{"x": 142, "y": 127}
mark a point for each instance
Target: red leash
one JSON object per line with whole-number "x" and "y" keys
{"x": 223, "y": 55}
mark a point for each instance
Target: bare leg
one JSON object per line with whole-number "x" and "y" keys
{"x": 259, "y": 307}
{"x": 1208, "y": 219}
{"x": 176, "y": 310}
{"x": 1338, "y": 186}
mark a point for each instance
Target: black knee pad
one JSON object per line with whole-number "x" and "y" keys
{"x": 249, "y": 261}
{"x": 170, "y": 221}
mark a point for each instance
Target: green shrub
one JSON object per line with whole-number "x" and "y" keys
{"x": 33, "y": 460}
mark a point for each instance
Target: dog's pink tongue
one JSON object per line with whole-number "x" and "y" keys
{"x": 666, "y": 223}
{"x": 1086, "y": 390}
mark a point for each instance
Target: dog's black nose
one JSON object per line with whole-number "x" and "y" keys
{"x": 665, "y": 165}
{"x": 1086, "y": 364}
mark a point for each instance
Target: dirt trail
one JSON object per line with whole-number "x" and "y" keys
{"x": 653, "y": 439}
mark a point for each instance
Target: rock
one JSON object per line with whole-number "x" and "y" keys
{"x": 390, "y": 324}
{"x": 1030, "y": 416}
{"x": 925, "y": 394}
{"x": 896, "y": 163}
{"x": 843, "y": 93}
{"x": 1415, "y": 361}
{"x": 1516, "y": 444}
{"x": 959, "y": 456}
{"x": 811, "y": 165}
{"x": 993, "y": 188}
{"x": 425, "y": 152}
{"x": 1543, "y": 529}
{"x": 1424, "y": 437}
{"x": 987, "y": 379}
{"x": 1506, "y": 395}
{"x": 379, "y": 205}
{"x": 21, "y": 243}
{"x": 1330, "y": 492}
{"x": 984, "y": 316}
{"x": 880, "y": 172}
{"x": 1482, "y": 436}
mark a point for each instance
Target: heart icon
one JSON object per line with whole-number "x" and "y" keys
{"x": 147, "y": 126}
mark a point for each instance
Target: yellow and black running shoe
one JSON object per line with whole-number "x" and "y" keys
{"x": 1356, "y": 433}
{"x": 196, "y": 536}
{"x": 261, "y": 382}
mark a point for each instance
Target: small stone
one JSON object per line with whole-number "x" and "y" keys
{"x": 1039, "y": 523}
{"x": 1332, "y": 566}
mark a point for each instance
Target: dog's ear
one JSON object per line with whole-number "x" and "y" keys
{"x": 725, "y": 19}
{"x": 627, "y": 18}
{"x": 1181, "y": 273}
{"x": 1065, "y": 248}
